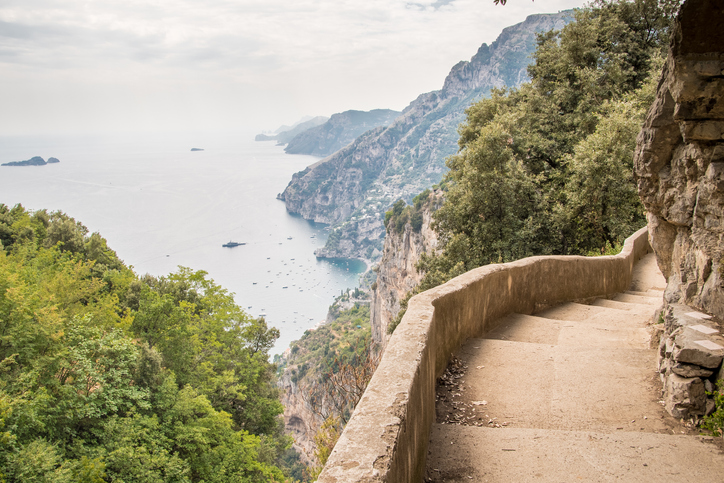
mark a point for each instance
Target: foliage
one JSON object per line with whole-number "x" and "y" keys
{"x": 331, "y": 366}
{"x": 336, "y": 392}
{"x": 343, "y": 339}
{"x": 548, "y": 168}
{"x": 714, "y": 423}
{"x": 105, "y": 376}
{"x": 400, "y": 214}
{"x": 324, "y": 442}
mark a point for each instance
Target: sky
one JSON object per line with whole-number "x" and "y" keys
{"x": 101, "y": 66}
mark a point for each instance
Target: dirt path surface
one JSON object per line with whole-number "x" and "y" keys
{"x": 568, "y": 394}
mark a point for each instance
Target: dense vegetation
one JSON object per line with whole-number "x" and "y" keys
{"x": 548, "y": 168}
{"x": 331, "y": 367}
{"x": 401, "y": 215}
{"x": 340, "y": 342}
{"x": 107, "y": 376}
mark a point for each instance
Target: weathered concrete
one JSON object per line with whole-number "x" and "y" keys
{"x": 578, "y": 403}
{"x": 572, "y": 456}
{"x": 388, "y": 435}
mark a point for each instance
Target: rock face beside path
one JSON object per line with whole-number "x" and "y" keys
{"x": 679, "y": 161}
{"x": 679, "y": 165}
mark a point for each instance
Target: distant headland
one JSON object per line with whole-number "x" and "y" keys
{"x": 34, "y": 161}
{"x": 197, "y": 149}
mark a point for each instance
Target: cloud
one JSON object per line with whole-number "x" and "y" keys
{"x": 290, "y": 57}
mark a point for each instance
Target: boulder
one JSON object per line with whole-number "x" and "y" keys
{"x": 684, "y": 396}
{"x": 690, "y": 370}
{"x": 693, "y": 347}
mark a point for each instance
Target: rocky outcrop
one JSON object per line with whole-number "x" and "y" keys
{"x": 299, "y": 420}
{"x": 679, "y": 166}
{"x": 340, "y": 130}
{"x": 397, "y": 273}
{"x": 679, "y": 161}
{"x": 34, "y": 161}
{"x": 360, "y": 182}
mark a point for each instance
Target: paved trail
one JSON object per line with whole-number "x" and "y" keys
{"x": 569, "y": 394}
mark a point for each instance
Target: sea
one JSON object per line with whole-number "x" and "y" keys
{"x": 161, "y": 205}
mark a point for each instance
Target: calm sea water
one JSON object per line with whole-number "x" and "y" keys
{"x": 160, "y": 205}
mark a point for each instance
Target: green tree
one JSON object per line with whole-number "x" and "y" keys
{"x": 547, "y": 168}
{"x": 108, "y": 377}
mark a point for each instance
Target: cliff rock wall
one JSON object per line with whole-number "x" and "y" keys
{"x": 679, "y": 165}
{"x": 397, "y": 274}
{"x": 679, "y": 161}
{"x": 299, "y": 420}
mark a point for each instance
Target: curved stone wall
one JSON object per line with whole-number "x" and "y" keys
{"x": 386, "y": 440}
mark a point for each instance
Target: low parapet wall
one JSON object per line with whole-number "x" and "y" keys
{"x": 386, "y": 440}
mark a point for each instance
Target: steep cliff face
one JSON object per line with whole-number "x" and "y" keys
{"x": 340, "y": 130}
{"x": 397, "y": 274}
{"x": 679, "y": 165}
{"x": 299, "y": 420}
{"x": 680, "y": 161}
{"x": 358, "y": 183}
{"x": 307, "y": 394}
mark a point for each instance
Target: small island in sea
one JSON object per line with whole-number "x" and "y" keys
{"x": 34, "y": 161}
{"x": 197, "y": 149}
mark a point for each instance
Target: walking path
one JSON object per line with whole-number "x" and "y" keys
{"x": 569, "y": 394}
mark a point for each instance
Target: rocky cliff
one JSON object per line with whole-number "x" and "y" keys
{"x": 679, "y": 161}
{"x": 340, "y": 130}
{"x": 306, "y": 365}
{"x": 352, "y": 188}
{"x": 300, "y": 421}
{"x": 397, "y": 273}
{"x": 679, "y": 165}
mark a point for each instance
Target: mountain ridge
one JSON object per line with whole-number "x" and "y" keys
{"x": 352, "y": 188}
{"x": 284, "y": 136}
{"x": 340, "y": 130}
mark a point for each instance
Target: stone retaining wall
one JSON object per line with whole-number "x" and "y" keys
{"x": 690, "y": 361}
{"x": 387, "y": 438}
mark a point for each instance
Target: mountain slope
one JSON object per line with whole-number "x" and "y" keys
{"x": 283, "y": 137}
{"x": 340, "y": 130}
{"x": 355, "y": 186}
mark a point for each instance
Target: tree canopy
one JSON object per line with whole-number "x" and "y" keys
{"x": 107, "y": 376}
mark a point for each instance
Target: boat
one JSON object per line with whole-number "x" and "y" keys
{"x": 232, "y": 244}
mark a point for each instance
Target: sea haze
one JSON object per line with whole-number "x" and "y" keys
{"x": 160, "y": 205}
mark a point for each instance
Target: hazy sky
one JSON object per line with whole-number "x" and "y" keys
{"x": 76, "y": 66}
